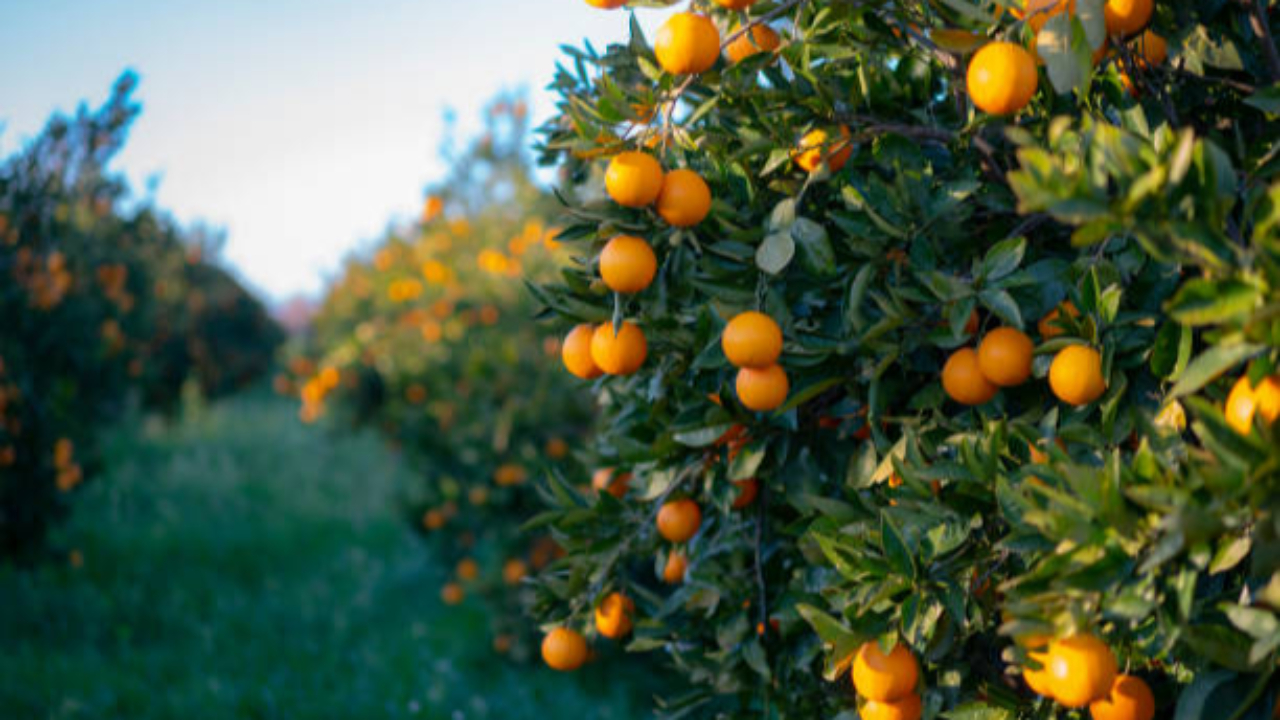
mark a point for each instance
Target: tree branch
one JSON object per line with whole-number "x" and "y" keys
{"x": 1262, "y": 30}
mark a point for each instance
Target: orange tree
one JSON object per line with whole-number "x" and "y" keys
{"x": 97, "y": 306}
{"x": 940, "y": 341}
{"x": 430, "y": 338}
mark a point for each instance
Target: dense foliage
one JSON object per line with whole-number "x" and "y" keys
{"x": 1133, "y": 174}
{"x": 101, "y": 300}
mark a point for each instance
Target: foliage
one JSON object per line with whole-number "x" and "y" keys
{"x": 98, "y": 301}
{"x": 1146, "y": 193}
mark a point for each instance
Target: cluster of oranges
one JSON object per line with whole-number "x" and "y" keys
{"x": 887, "y": 683}
{"x": 1003, "y": 359}
{"x": 1081, "y": 671}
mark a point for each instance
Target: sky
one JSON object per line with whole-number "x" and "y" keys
{"x": 301, "y": 128}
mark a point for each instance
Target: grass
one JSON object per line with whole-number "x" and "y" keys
{"x": 240, "y": 565}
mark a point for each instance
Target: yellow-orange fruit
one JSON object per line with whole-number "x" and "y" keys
{"x": 963, "y": 381}
{"x": 627, "y": 264}
{"x": 1245, "y": 401}
{"x": 815, "y": 145}
{"x": 564, "y": 649}
{"x": 762, "y": 389}
{"x": 752, "y": 339}
{"x": 673, "y": 572}
{"x": 1126, "y": 17}
{"x": 736, "y": 4}
{"x": 633, "y": 179}
{"x": 1004, "y": 356}
{"x": 907, "y": 708}
{"x": 885, "y": 678}
{"x": 747, "y": 491}
{"x": 1002, "y": 78}
{"x": 606, "y": 4}
{"x": 604, "y": 480}
{"x": 1075, "y": 376}
{"x": 575, "y": 351}
{"x": 1048, "y": 325}
{"x": 687, "y": 43}
{"x": 1129, "y": 699}
{"x": 613, "y": 616}
{"x": 679, "y": 520}
{"x": 620, "y": 353}
{"x": 1081, "y": 669}
{"x": 760, "y": 38}
{"x": 685, "y": 198}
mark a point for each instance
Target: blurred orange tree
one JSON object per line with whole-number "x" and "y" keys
{"x": 99, "y": 304}
{"x": 431, "y": 338}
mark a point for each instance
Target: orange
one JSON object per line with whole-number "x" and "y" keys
{"x": 752, "y": 339}
{"x": 1040, "y": 457}
{"x": 1081, "y": 669}
{"x": 1076, "y": 375}
{"x": 762, "y": 389}
{"x": 514, "y": 571}
{"x": 687, "y": 43}
{"x": 452, "y": 594}
{"x": 603, "y": 480}
{"x": 673, "y": 572}
{"x": 633, "y": 179}
{"x": 907, "y": 708}
{"x": 1038, "y": 12}
{"x": 1002, "y": 78}
{"x": 575, "y": 351}
{"x": 747, "y": 491}
{"x": 736, "y": 4}
{"x": 620, "y": 353}
{"x": 1004, "y": 356}
{"x": 564, "y": 649}
{"x": 1153, "y": 48}
{"x": 1129, "y": 699}
{"x": 613, "y": 616}
{"x": 885, "y": 678}
{"x": 971, "y": 325}
{"x": 606, "y": 4}
{"x": 679, "y": 520}
{"x": 760, "y": 38}
{"x": 1126, "y": 17}
{"x": 467, "y": 569}
{"x": 963, "y": 381}
{"x": 1244, "y": 402}
{"x": 1048, "y": 327}
{"x": 627, "y": 264}
{"x": 815, "y": 145}
{"x": 685, "y": 198}
{"x": 1039, "y": 680}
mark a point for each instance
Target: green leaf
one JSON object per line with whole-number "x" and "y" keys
{"x": 1064, "y": 47}
{"x": 1210, "y": 364}
{"x": 816, "y": 253}
{"x": 1172, "y": 350}
{"x": 1003, "y": 305}
{"x": 1003, "y": 258}
{"x": 1266, "y": 99}
{"x": 1207, "y": 302}
{"x": 895, "y": 547}
{"x": 775, "y": 253}
{"x": 701, "y": 437}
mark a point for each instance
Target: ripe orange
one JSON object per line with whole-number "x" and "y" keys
{"x": 971, "y": 325}
{"x": 1002, "y": 78}
{"x": 885, "y": 678}
{"x": 620, "y": 353}
{"x": 760, "y": 38}
{"x": 762, "y": 389}
{"x": 613, "y": 616}
{"x": 1038, "y": 12}
{"x": 685, "y": 198}
{"x": 752, "y": 339}
{"x": 627, "y": 264}
{"x": 1075, "y": 376}
{"x": 736, "y": 4}
{"x": 815, "y": 145}
{"x": 603, "y": 480}
{"x": 1004, "y": 356}
{"x": 1126, "y": 17}
{"x": 633, "y": 179}
{"x": 452, "y": 594}
{"x": 1244, "y": 402}
{"x": 564, "y": 649}
{"x": 1048, "y": 327}
{"x": 907, "y": 708}
{"x": 963, "y": 381}
{"x": 575, "y": 351}
{"x": 687, "y": 43}
{"x": 1129, "y": 699}
{"x": 606, "y": 4}
{"x": 1039, "y": 680}
{"x": 679, "y": 520}
{"x": 1153, "y": 48}
{"x": 513, "y": 571}
{"x": 467, "y": 569}
{"x": 673, "y": 572}
{"x": 1081, "y": 669}
{"x": 747, "y": 491}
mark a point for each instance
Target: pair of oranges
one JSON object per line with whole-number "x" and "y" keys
{"x": 887, "y": 682}
{"x": 589, "y": 352}
{"x": 753, "y": 343}
{"x": 565, "y": 649}
{"x": 635, "y": 179}
{"x": 1080, "y": 670}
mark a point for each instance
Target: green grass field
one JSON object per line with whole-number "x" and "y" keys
{"x": 240, "y": 565}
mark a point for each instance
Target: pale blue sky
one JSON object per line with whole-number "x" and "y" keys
{"x": 302, "y": 127}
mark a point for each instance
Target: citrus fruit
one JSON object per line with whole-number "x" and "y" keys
{"x": 1245, "y": 401}
{"x": 1126, "y": 17}
{"x": 674, "y": 569}
{"x": 452, "y": 594}
{"x": 1039, "y": 680}
{"x": 633, "y": 179}
{"x": 815, "y": 146}
{"x": 513, "y": 571}
{"x": 762, "y": 389}
{"x": 575, "y": 351}
{"x": 1002, "y": 78}
{"x": 1004, "y": 357}
{"x": 736, "y": 4}
{"x": 1130, "y": 699}
{"x": 1038, "y": 12}
{"x": 606, "y": 4}
{"x": 621, "y": 352}
{"x": 885, "y": 678}
{"x": 1075, "y": 376}
{"x": 907, "y": 708}
{"x": 613, "y": 616}
{"x": 685, "y": 198}
{"x": 467, "y": 569}
{"x": 1152, "y": 48}
{"x": 564, "y": 649}
{"x": 604, "y": 480}
{"x": 679, "y": 520}
{"x": 687, "y": 43}
{"x": 752, "y": 339}
{"x": 1081, "y": 669}
{"x": 1048, "y": 325}
{"x": 747, "y": 491}
{"x": 760, "y": 38}
{"x": 627, "y": 264}
{"x": 963, "y": 381}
